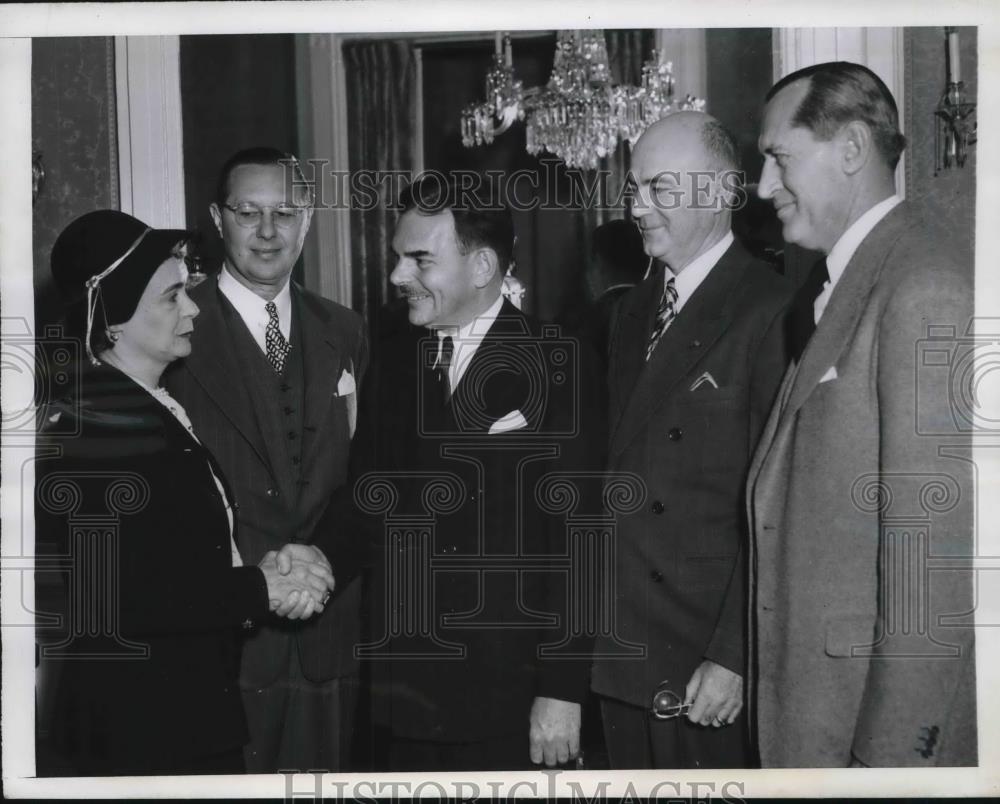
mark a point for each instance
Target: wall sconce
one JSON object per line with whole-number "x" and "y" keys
{"x": 956, "y": 122}
{"x": 37, "y": 175}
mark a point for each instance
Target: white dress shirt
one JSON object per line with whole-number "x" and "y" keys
{"x": 466, "y": 339}
{"x": 250, "y": 306}
{"x": 694, "y": 273}
{"x": 844, "y": 248}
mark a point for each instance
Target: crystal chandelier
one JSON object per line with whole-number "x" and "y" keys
{"x": 579, "y": 116}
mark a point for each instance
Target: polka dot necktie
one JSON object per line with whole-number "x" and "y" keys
{"x": 277, "y": 347}
{"x": 664, "y": 315}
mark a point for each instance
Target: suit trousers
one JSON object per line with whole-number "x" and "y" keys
{"x": 636, "y": 739}
{"x": 498, "y": 754}
{"x": 317, "y": 720}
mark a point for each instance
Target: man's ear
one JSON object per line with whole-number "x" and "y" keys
{"x": 486, "y": 265}
{"x": 856, "y": 146}
{"x": 216, "y": 213}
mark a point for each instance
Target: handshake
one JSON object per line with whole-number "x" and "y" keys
{"x": 299, "y": 580}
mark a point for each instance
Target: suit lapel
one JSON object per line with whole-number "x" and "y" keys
{"x": 211, "y": 366}
{"x": 628, "y": 362}
{"x": 833, "y": 333}
{"x": 321, "y": 364}
{"x": 493, "y": 352}
{"x": 699, "y": 324}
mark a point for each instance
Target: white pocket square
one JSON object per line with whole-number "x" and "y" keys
{"x": 345, "y": 385}
{"x": 702, "y": 380}
{"x": 512, "y": 421}
{"x": 831, "y": 374}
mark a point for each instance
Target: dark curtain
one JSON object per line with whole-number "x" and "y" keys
{"x": 381, "y": 119}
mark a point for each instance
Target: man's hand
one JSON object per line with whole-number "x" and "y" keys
{"x": 715, "y": 694}
{"x": 297, "y": 593}
{"x": 555, "y": 731}
{"x": 308, "y": 556}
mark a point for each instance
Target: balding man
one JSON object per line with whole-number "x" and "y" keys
{"x": 697, "y": 353}
{"x": 862, "y": 484}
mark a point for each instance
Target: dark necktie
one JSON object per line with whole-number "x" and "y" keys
{"x": 442, "y": 367}
{"x": 277, "y": 346}
{"x": 664, "y": 315}
{"x": 802, "y": 319}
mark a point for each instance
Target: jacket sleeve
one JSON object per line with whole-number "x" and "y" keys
{"x": 769, "y": 359}
{"x": 583, "y": 455}
{"x": 160, "y": 566}
{"x": 919, "y": 706}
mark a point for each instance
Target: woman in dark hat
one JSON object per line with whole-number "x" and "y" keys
{"x": 139, "y": 513}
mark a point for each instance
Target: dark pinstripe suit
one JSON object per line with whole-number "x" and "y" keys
{"x": 245, "y": 434}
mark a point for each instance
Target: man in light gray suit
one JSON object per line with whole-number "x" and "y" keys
{"x": 861, "y": 483}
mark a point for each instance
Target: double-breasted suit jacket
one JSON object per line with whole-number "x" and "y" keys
{"x": 862, "y": 482}
{"x": 686, "y": 423}
{"x": 244, "y": 429}
{"x": 462, "y": 611}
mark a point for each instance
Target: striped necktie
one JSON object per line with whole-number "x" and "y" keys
{"x": 665, "y": 313}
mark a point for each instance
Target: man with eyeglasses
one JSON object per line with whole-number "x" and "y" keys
{"x": 271, "y": 387}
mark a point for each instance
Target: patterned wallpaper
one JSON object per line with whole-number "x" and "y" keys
{"x": 73, "y": 125}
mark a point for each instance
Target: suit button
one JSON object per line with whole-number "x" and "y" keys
{"x": 656, "y": 507}
{"x": 292, "y": 435}
{"x": 288, "y": 411}
{"x": 271, "y": 493}
{"x": 675, "y": 433}
{"x": 695, "y": 344}
{"x": 656, "y": 576}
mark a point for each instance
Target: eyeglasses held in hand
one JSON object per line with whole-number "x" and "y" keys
{"x": 668, "y": 704}
{"x": 249, "y": 216}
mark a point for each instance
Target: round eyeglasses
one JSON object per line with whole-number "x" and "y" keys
{"x": 249, "y": 216}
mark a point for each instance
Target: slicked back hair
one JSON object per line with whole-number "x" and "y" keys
{"x": 259, "y": 155}
{"x": 477, "y": 225}
{"x": 841, "y": 91}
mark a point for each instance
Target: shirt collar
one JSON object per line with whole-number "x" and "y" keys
{"x": 694, "y": 273}
{"x": 844, "y": 248}
{"x": 467, "y": 338}
{"x": 250, "y": 306}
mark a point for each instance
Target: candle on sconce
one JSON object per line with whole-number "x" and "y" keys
{"x": 510, "y": 54}
{"x": 954, "y": 57}
{"x": 498, "y": 43}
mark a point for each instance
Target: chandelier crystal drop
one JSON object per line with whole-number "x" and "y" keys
{"x": 579, "y": 116}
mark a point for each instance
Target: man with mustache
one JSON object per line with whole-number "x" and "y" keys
{"x": 270, "y": 387}
{"x": 465, "y": 421}
{"x": 863, "y": 477}
{"x": 696, "y": 354}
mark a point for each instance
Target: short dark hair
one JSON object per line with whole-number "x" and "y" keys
{"x": 841, "y": 91}
{"x": 258, "y": 155}
{"x": 477, "y": 224}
